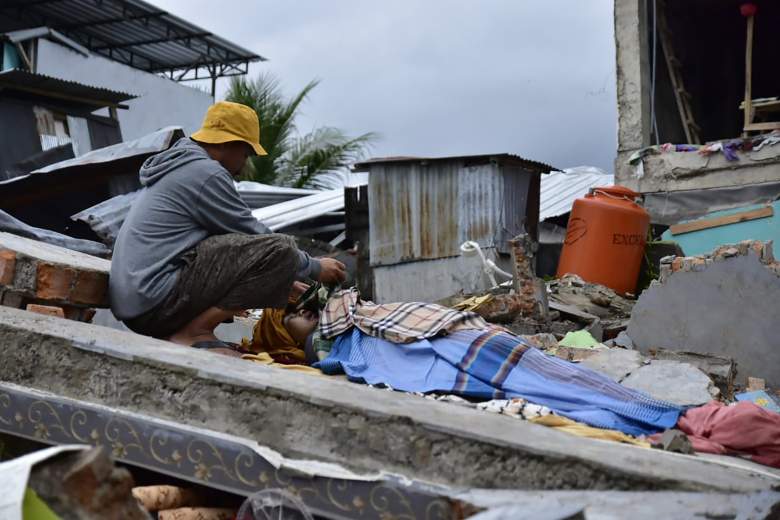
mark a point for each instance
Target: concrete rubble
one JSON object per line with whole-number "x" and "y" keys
{"x": 672, "y": 381}
{"x": 86, "y": 485}
{"x": 179, "y": 433}
{"x": 333, "y": 420}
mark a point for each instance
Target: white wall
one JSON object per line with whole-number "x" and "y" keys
{"x": 161, "y": 102}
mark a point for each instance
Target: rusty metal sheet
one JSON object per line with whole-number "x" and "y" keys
{"x": 424, "y": 211}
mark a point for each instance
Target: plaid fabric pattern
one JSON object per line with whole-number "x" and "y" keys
{"x": 395, "y": 322}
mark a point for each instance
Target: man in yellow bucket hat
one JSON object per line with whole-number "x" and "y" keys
{"x": 190, "y": 255}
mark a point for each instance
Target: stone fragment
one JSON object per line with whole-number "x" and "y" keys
{"x": 615, "y": 363}
{"x": 624, "y": 340}
{"x": 676, "y": 441}
{"x": 86, "y": 485}
{"x": 679, "y": 383}
{"x": 721, "y": 370}
{"x": 543, "y": 341}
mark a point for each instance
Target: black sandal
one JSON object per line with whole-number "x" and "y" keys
{"x": 208, "y": 345}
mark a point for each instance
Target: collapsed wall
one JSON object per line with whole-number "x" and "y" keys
{"x": 724, "y": 304}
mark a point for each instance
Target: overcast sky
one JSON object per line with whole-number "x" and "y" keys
{"x": 439, "y": 77}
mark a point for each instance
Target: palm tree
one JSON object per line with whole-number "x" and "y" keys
{"x": 316, "y": 160}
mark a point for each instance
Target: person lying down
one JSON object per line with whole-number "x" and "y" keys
{"x": 426, "y": 348}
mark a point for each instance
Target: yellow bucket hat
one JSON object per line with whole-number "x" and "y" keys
{"x": 226, "y": 121}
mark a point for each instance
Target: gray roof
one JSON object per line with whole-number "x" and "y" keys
{"x": 47, "y": 86}
{"x": 137, "y": 34}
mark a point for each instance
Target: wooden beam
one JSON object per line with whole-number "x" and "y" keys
{"x": 763, "y": 126}
{"x": 697, "y": 225}
{"x": 749, "y": 75}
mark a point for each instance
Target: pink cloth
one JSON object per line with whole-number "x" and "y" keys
{"x": 743, "y": 428}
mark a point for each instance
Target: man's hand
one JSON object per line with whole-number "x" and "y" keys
{"x": 332, "y": 271}
{"x": 298, "y": 288}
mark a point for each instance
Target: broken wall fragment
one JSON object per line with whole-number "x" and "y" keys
{"x": 724, "y": 304}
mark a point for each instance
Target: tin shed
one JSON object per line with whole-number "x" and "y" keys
{"x": 422, "y": 209}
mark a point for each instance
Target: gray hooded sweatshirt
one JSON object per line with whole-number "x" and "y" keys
{"x": 186, "y": 197}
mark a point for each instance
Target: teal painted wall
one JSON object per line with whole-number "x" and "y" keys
{"x": 704, "y": 241}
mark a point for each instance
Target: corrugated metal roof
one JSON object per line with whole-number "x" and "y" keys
{"x": 258, "y": 195}
{"x": 22, "y": 80}
{"x": 500, "y": 158}
{"x": 285, "y": 214}
{"x": 135, "y": 33}
{"x": 106, "y": 218}
{"x": 560, "y": 189}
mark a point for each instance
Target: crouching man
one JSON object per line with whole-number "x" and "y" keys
{"x": 190, "y": 255}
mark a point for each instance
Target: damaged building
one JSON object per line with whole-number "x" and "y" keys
{"x": 459, "y": 371}
{"x": 672, "y": 87}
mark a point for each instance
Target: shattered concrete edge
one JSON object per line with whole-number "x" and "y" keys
{"x": 763, "y": 250}
{"x": 323, "y": 419}
{"x": 715, "y": 304}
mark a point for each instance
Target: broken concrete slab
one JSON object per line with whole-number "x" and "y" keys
{"x": 721, "y": 370}
{"x": 678, "y": 383}
{"x": 719, "y": 304}
{"x": 318, "y": 418}
{"x": 528, "y": 505}
{"x": 615, "y": 363}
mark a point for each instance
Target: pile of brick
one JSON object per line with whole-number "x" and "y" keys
{"x": 529, "y": 297}
{"x": 51, "y": 280}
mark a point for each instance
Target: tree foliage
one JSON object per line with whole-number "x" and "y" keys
{"x": 318, "y": 159}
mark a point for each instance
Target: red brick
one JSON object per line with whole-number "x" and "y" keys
{"x": 677, "y": 263}
{"x": 48, "y": 310}
{"x": 54, "y": 282}
{"x": 91, "y": 288}
{"x": 7, "y": 267}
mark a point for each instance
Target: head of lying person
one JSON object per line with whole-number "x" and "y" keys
{"x": 301, "y": 324}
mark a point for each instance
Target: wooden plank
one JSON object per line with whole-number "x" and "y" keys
{"x": 688, "y": 227}
{"x": 765, "y": 103}
{"x": 763, "y": 126}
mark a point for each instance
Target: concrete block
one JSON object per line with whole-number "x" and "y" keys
{"x": 615, "y": 363}
{"x": 672, "y": 381}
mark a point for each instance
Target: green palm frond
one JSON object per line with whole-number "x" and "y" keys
{"x": 291, "y": 160}
{"x": 324, "y": 151}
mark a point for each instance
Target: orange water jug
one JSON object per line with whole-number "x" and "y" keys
{"x": 605, "y": 238}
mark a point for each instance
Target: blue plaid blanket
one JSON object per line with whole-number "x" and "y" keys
{"x": 489, "y": 364}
